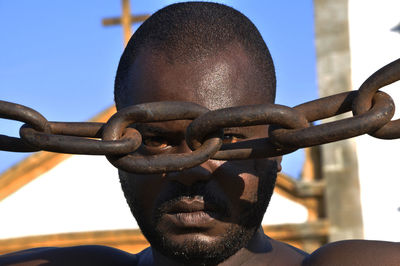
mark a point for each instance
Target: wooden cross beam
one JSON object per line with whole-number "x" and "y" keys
{"x": 126, "y": 20}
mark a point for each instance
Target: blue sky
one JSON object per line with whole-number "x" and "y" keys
{"x": 57, "y": 58}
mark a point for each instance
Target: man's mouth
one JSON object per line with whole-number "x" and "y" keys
{"x": 191, "y": 212}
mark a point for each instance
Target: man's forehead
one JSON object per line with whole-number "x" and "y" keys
{"x": 215, "y": 82}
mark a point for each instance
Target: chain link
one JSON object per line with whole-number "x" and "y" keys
{"x": 159, "y": 112}
{"x": 25, "y": 114}
{"x": 242, "y": 116}
{"x": 63, "y": 143}
{"x": 289, "y": 128}
{"x": 380, "y": 114}
{"x": 383, "y": 77}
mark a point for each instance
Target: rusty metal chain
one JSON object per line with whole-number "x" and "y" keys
{"x": 289, "y": 128}
{"x": 158, "y": 112}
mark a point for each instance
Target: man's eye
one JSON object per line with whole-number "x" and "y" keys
{"x": 231, "y": 138}
{"x": 155, "y": 142}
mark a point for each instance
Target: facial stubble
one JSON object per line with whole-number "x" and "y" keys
{"x": 196, "y": 250}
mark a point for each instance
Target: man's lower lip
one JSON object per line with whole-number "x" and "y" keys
{"x": 191, "y": 219}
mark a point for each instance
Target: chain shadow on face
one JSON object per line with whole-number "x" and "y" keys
{"x": 223, "y": 190}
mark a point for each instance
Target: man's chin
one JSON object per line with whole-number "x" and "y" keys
{"x": 199, "y": 247}
{"x": 193, "y": 239}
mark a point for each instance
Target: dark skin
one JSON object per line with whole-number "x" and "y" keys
{"x": 236, "y": 182}
{"x": 214, "y": 82}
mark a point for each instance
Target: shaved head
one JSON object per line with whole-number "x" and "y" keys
{"x": 193, "y": 33}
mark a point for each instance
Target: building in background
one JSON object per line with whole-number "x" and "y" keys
{"x": 353, "y": 40}
{"x": 375, "y": 42}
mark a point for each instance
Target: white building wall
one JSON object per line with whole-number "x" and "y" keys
{"x": 80, "y": 194}
{"x": 373, "y": 45}
{"x": 83, "y": 194}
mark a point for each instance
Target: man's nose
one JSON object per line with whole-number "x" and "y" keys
{"x": 202, "y": 172}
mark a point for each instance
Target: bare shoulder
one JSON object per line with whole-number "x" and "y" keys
{"x": 356, "y": 252}
{"x": 285, "y": 254}
{"x": 78, "y": 255}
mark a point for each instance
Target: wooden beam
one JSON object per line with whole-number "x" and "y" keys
{"x": 299, "y": 189}
{"x": 37, "y": 164}
{"x": 125, "y": 20}
{"x": 307, "y": 193}
{"x": 117, "y": 21}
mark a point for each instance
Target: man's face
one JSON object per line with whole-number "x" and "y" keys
{"x": 209, "y": 212}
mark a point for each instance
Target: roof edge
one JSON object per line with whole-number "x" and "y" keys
{"x": 38, "y": 163}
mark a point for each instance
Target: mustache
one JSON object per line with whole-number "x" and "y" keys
{"x": 199, "y": 191}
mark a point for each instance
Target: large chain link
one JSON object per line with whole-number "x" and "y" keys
{"x": 290, "y": 128}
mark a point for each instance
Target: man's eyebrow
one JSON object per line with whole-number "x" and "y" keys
{"x": 153, "y": 129}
